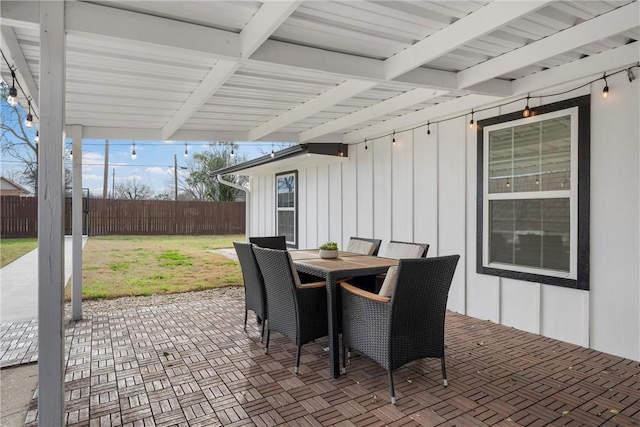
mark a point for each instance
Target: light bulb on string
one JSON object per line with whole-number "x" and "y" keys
{"x": 365, "y": 144}
{"x": 71, "y": 154}
{"x": 232, "y": 154}
{"x": 471, "y": 122}
{"x": 12, "y": 98}
{"x": 36, "y": 139}
{"x": 393, "y": 140}
{"x": 272, "y": 152}
{"x": 428, "y": 128}
{"x": 133, "y": 152}
{"x": 526, "y": 112}
{"x": 29, "y": 120}
{"x": 186, "y": 151}
{"x": 605, "y": 90}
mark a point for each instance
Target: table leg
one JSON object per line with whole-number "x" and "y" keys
{"x": 334, "y": 328}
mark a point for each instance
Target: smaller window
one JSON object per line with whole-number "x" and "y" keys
{"x": 286, "y": 207}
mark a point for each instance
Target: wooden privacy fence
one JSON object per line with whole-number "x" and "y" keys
{"x": 113, "y": 216}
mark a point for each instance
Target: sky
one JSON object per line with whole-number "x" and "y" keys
{"x": 153, "y": 166}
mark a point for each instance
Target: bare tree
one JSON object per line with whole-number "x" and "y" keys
{"x": 17, "y": 142}
{"x": 133, "y": 188}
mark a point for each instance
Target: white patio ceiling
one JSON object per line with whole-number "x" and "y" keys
{"x": 311, "y": 70}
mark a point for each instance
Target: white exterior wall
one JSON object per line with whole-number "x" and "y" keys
{"x": 424, "y": 190}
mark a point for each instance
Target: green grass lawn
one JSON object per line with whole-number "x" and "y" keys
{"x": 12, "y": 249}
{"x": 115, "y": 266}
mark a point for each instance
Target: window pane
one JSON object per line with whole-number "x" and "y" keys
{"x": 530, "y": 232}
{"x": 286, "y": 225}
{"x": 531, "y": 157}
{"x": 526, "y": 157}
{"x": 556, "y": 154}
{"x": 286, "y": 191}
{"x": 500, "y": 160}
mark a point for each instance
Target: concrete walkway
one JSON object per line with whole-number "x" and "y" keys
{"x": 19, "y": 284}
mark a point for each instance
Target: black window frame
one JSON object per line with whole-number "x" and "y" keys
{"x": 294, "y": 244}
{"x": 583, "y": 104}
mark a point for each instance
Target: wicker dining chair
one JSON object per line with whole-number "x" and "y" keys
{"x": 354, "y": 243}
{"x": 271, "y": 242}
{"x": 254, "y": 293}
{"x": 298, "y": 311}
{"x": 406, "y": 326}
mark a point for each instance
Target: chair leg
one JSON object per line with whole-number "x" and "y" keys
{"x": 262, "y": 333}
{"x": 246, "y": 313}
{"x": 295, "y": 370}
{"x": 344, "y": 357}
{"x": 392, "y": 390}
{"x": 444, "y": 373}
{"x": 266, "y": 347}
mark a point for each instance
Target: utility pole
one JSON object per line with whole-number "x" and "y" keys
{"x": 175, "y": 176}
{"x": 113, "y": 184}
{"x": 105, "y": 180}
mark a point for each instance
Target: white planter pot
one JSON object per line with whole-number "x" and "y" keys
{"x": 328, "y": 254}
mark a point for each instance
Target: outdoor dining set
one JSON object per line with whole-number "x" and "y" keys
{"x": 390, "y": 308}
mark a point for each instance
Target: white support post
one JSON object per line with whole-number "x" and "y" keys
{"x": 51, "y": 215}
{"x": 76, "y": 226}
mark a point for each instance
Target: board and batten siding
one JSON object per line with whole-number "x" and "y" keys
{"x": 423, "y": 189}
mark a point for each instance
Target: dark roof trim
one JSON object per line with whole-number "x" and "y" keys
{"x": 328, "y": 149}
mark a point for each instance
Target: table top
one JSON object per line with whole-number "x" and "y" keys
{"x": 347, "y": 263}
{"x": 315, "y": 254}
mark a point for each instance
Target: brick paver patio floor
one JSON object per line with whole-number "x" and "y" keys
{"x": 193, "y": 365}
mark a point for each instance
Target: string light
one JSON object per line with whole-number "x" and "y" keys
{"x": 394, "y": 137}
{"x": 71, "y": 154}
{"x": 29, "y": 120}
{"x": 605, "y": 91}
{"x": 186, "y": 151}
{"x": 12, "y": 99}
{"x": 272, "y": 152}
{"x": 340, "y": 153}
{"x": 628, "y": 71}
{"x": 365, "y": 144}
{"x": 232, "y": 154}
{"x": 36, "y": 139}
{"x": 133, "y": 152}
{"x": 526, "y": 112}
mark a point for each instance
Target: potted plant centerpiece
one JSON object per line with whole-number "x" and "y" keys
{"x": 329, "y": 250}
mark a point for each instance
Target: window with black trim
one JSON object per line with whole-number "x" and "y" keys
{"x": 287, "y": 207}
{"x": 533, "y": 192}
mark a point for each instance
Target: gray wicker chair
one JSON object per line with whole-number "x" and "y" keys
{"x": 271, "y": 242}
{"x": 405, "y": 327}
{"x": 299, "y": 312}
{"x": 254, "y": 293}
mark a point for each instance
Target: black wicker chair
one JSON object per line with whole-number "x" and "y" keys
{"x": 376, "y": 242}
{"x": 254, "y": 293}
{"x": 298, "y": 311}
{"x": 271, "y": 242}
{"x": 405, "y": 327}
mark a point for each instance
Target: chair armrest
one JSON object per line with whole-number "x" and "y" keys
{"x": 312, "y": 285}
{"x": 363, "y": 293}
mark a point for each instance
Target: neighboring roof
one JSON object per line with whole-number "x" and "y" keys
{"x": 308, "y": 71}
{"x": 7, "y": 184}
{"x": 253, "y": 166}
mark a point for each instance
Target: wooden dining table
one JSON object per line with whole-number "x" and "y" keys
{"x": 348, "y": 264}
